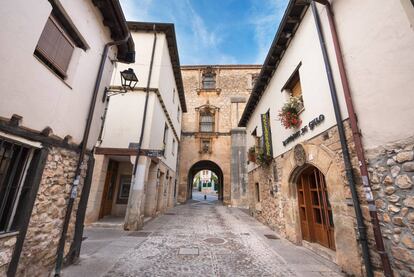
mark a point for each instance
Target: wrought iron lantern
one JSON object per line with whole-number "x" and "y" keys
{"x": 128, "y": 79}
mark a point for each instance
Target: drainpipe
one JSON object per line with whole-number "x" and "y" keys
{"x": 362, "y": 234}
{"x": 103, "y": 119}
{"x": 356, "y": 134}
{"x": 147, "y": 90}
{"x": 74, "y": 188}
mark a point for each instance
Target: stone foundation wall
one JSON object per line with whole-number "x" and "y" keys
{"x": 278, "y": 206}
{"x": 392, "y": 176}
{"x": 7, "y": 246}
{"x": 39, "y": 250}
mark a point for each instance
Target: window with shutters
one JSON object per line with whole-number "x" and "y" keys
{"x": 293, "y": 86}
{"x": 55, "y": 47}
{"x": 14, "y": 162}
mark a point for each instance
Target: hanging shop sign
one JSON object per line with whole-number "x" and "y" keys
{"x": 310, "y": 126}
{"x": 267, "y": 135}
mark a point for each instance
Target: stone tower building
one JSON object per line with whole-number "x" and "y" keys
{"x": 216, "y": 97}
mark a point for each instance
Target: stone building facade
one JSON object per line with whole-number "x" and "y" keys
{"x": 145, "y": 118}
{"x": 392, "y": 174}
{"x": 49, "y": 124}
{"x": 276, "y": 202}
{"x": 301, "y": 187}
{"x": 216, "y": 97}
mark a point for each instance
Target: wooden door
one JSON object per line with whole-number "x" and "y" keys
{"x": 314, "y": 208}
{"x": 109, "y": 189}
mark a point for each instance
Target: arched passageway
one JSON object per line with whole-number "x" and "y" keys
{"x": 205, "y": 165}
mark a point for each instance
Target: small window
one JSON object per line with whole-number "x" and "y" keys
{"x": 254, "y": 80}
{"x": 55, "y": 48}
{"x": 173, "y": 147}
{"x": 14, "y": 162}
{"x": 209, "y": 79}
{"x": 174, "y": 95}
{"x": 178, "y": 113}
{"x": 165, "y": 138}
{"x": 257, "y": 192}
{"x": 293, "y": 86}
{"x": 124, "y": 188}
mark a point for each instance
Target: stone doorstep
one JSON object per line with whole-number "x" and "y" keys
{"x": 320, "y": 250}
{"x": 107, "y": 225}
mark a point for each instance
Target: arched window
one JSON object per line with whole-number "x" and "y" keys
{"x": 206, "y": 120}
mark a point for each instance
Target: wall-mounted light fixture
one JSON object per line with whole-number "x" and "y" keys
{"x": 128, "y": 79}
{"x": 128, "y": 82}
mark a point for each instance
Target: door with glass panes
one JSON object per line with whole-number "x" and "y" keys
{"x": 314, "y": 208}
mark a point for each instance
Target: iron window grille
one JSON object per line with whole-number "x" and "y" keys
{"x": 14, "y": 191}
{"x": 209, "y": 79}
{"x": 206, "y": 122}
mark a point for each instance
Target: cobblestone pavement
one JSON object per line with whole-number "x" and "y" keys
{"x": 204, "y": 238}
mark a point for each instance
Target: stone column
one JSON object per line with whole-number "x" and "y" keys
{"x": 239, "y": 196}
{"x": 134, "y": 218}
{"x": 151, "y": 191}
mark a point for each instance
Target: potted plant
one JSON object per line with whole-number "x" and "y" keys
{"x": 262, "y": 158}
{"x": 251, "y": 154}
{"x": 289, "y": 115}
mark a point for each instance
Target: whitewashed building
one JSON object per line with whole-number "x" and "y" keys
{"x": 147, "y": 118}
{"x": 300, "y": 179}
{"x": 56, "y": 59}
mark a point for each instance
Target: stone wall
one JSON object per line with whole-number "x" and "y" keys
{"x": 39, "y": 250}
{"x": 7, "y": 246}
{"x": 278, "y": 206}
{"x": 392, "y": 176}
{"x": 232, "y": 82}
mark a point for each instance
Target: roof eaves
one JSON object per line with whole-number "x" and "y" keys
{"x": 114, "y": 19}
{"x": 287, "y": 28}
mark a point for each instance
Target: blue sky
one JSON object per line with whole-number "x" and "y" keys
{"x": 214, "y": 31}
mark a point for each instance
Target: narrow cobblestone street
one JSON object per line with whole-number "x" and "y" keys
{"x": 201, "y": 238}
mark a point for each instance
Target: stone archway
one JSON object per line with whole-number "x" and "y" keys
{"x": 331, "y": 166}
{"x": 205, "y": 165}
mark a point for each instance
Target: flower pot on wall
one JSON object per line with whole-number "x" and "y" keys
{"x": 289, "y": 115}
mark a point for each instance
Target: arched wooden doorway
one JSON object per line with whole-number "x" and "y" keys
{"x": 315, "y": 210}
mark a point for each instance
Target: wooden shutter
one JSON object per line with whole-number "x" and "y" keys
{"x": 55, "y": 46}
{"x": 297, "y": 89}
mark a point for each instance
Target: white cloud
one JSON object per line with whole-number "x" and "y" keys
{"x": 266, "y": 21}
{"x": 137, "y": 10}
{"x": 197, "y": 44}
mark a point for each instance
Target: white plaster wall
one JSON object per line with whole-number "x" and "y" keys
{"x": 143, "y": 50}
{"x": 127, "y": 109}
{"x": 304, "y": 48}
{"x": 168, "y": 88}
{"x": 124, "y": 120}
{"x": 377, "y": 39}
{"x": 30, "y": 89}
